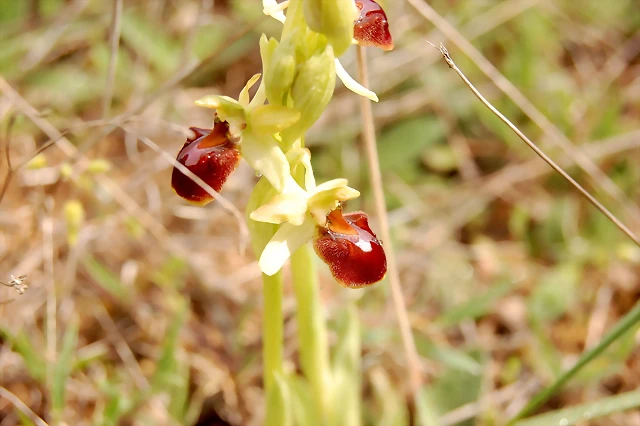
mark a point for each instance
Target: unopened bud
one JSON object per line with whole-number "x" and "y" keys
{"x": 334, "y": 19}
{"x": 312, "y": 91}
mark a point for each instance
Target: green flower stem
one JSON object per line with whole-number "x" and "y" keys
{"x": 272, "y": 329}
{"x": 312, "y": 333}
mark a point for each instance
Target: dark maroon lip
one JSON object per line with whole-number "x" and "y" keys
{"x": 351, "y": 250}
{"x": 211, "y": 156}
{"x": 372, "y": 27}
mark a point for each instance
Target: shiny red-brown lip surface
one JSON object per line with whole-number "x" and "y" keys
{"x": 351, "y": 249}
{"x": 211, "y": 156}
{"x": 372, "y": 27}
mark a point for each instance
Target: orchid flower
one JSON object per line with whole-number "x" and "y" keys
{"x": 242, "y": 128}
{"x": 299, "y": 211}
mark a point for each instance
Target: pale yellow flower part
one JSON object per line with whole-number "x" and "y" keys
{"x": 274, "y": 9}
{"x": 299, "y": 211}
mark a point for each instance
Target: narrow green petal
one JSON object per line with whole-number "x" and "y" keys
{"x": 228, "y": 109}
{"x": 298, "y": 155}
{"x": 243, "y": 99}
{"x": 285, "y": 242}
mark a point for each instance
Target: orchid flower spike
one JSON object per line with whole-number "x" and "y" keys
{"x": 275, "y": 10}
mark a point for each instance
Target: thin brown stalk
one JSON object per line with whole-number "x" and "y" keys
{"x": 114, "y": 44}
{"x": 375, "y": 177}
{"x": 599, "y": 178}
{"x": 538, "y": 151}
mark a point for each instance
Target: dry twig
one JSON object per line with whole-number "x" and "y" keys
{"x": 445, "y": 54}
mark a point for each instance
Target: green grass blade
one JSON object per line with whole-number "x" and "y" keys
{"x": 623, "y": 326}
{"x": 476, "y": 306}
{"x": 33, "y": 359}
{"x": 63, "y": 368}
{"x": 585, "y": 412}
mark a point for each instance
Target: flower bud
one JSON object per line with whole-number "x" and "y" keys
{"x": 372, "y": 27}
{"x": 334, "y": 19}
{"x": 312, "y": 91}
{"x": 351, "y": 249}
{"x": 211, "y": 156}
{"x": 281, "y": 70}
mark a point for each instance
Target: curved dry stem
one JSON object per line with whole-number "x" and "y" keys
{"x": 538, "y": 151}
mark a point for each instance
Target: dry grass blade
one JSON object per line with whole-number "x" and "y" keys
{"x": 9, "y": 396}
{"x": 538, "y": 151}
{"x": 375, "y": 176}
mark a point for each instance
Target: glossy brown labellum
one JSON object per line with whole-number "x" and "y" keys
{"x": 351, "y": 249}
{"x": 372, "y": 27}
{"x": 211, "y": 156}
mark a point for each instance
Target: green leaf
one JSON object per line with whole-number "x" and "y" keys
{"x": 475, "y": 307}
{"x": 403, "y": 144}
{"x": 105, "y": 278}
{"x": 453, "y": 389}
{"x": 585, "y": 412}
{"x": 555, "y": 293}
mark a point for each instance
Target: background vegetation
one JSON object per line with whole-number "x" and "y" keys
{"x": 143, "y": 310}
